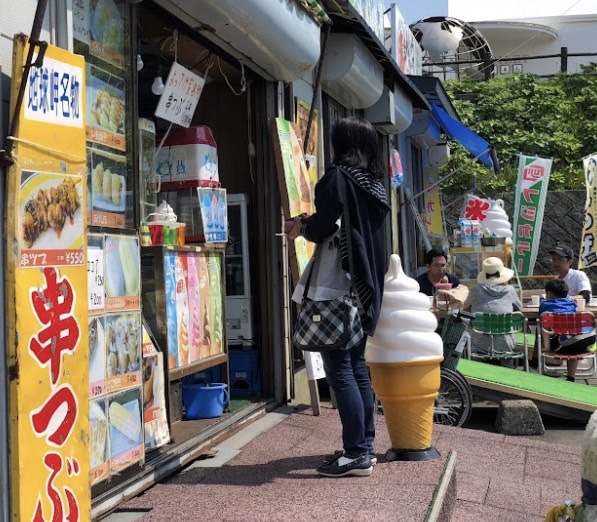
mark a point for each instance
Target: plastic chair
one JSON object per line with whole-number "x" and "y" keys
{"x": 565, "y": 324}
{"x": 498, "y": 325}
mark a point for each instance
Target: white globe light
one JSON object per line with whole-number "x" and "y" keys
{"x": 157, "y": 87}
{"x": 439, "y": 38}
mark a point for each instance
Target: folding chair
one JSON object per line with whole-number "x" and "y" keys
{"x": 493, "y": 324}
{"x": 565, "y": 324}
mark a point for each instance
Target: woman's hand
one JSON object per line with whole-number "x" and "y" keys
{"x": 293, "y": 226}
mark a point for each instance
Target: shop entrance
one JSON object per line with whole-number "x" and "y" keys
{"x": 177, "y": 173}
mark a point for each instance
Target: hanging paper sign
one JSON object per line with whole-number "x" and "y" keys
{"x": 588, "y": 246}
{"x": 434, "y": 212}
{"x": 531, "y": 191}
{"x": 180, "y": 97}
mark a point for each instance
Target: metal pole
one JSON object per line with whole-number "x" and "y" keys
{"x": 6, "y": 158}
{"x": 4, "y": 466}
{"x": 316, "y": 86}
{"x": 564, "y": 59}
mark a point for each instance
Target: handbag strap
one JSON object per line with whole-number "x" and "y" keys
{"x": 346, "y": 224}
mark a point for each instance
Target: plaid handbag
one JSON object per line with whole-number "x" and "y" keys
{"x": 327, "y": 325}
{"x": 331, "y": 324}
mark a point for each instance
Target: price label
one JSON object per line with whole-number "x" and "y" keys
{"x": 95, "y": 278}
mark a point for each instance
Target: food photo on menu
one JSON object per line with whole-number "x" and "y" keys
{"x": 108, "y": 182}
{"x": 98, "y": 439}
{"x": 50, "y": 211}
{"x": 122, "y": 277}
{"x": 123, "y": 343}
{"x": 125, "y": 423}
{"x": 97, "y": 355}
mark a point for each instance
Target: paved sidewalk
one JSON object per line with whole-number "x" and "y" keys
{"x": 266, "y": 472}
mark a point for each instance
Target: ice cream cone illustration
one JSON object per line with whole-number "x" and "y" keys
{"x": 404, "y": 356}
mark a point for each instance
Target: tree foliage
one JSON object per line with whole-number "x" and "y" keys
{"x": 554, "y": 117}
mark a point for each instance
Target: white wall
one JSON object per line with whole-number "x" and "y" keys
{"x": 576, "y": 33}
{"x": 469, "y": 11}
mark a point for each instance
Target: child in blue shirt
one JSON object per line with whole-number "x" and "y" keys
{"x": 556, "y": 301}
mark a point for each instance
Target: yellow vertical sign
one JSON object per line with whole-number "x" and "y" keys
{"x": 433, "y": 213}
{"x": 47, "y": 287}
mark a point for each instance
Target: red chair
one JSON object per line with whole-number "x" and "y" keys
{"x": 565, "y": 324}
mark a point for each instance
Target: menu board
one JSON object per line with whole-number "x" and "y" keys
{"x": 101, "y": 35}
{"x": 155, "y": 418}
{"x": 115, "y": 355}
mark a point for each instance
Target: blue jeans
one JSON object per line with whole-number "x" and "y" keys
{"x": 348, "y": 375}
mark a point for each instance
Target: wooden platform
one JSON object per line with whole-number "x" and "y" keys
{"x": 556, "y": 394}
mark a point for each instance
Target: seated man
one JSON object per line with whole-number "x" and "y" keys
{"x": 437, "y": 264}
{"x": 578, "y": 282}
{"x": 556, "y": 301}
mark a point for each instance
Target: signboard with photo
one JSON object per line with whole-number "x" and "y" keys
{"x": 106, "y": 108}
{"x": 107, "y": 188}
{"x": 122, "y": 272}
{"x": 125, "y": 423}
{"x": 99, "y": 445}
{"x": 123, "y": 350}
{"x": 51, "y": 221}
{"x": 155, "y": 419}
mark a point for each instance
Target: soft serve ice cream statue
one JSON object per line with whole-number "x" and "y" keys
{"x": 406, "y": 327}
{"x": 404, "y": 357}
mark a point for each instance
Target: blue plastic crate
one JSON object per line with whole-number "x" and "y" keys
{"x": 206, "y": 376}
{"x": 244, "y": 372}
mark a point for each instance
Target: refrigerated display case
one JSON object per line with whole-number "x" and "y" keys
{"x": 239, "y": 315}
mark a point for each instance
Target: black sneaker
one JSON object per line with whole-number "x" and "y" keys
{"x": 330, "y": 459}
{"x": 359, "y": 467}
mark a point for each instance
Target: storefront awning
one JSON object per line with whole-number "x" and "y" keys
{"x": 470, "y": 140}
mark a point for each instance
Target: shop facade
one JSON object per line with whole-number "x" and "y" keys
{"x": 152, "y": 323}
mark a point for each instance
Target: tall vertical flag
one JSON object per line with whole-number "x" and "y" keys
{"x": 588, "y": 248}
{"x": 529, "y": 204}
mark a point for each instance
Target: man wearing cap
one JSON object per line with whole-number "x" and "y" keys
{"x": 578, "y": 283}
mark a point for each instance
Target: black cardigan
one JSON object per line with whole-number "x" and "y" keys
{"x": 367, "y": 215}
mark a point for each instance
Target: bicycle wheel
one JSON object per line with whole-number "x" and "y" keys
{"x": 454, "y": 402}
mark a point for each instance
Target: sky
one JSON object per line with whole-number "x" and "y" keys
{"x": 475, "y": 10}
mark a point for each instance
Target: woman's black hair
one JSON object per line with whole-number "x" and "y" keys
{"x": 355, "y": 144}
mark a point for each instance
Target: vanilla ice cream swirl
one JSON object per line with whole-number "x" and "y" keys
{"x": 406, "y": 327}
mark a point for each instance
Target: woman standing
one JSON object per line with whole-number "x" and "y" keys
{"x": 355, "y": 175}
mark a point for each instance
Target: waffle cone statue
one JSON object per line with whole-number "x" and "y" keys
{"x": 404, "y": 356}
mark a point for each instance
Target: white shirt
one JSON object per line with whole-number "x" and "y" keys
{"x": 577, "y": 281}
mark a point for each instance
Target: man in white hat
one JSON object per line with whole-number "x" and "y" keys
{"x": 493, "y": 294}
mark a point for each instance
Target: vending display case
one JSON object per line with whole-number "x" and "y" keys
{"x": 183, "y": 303}
{"x": 239, "y": 316}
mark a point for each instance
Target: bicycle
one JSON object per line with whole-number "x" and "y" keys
{"x": 454, "y": 402}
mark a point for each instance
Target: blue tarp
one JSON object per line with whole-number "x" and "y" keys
{"x": 470, "y": 140}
